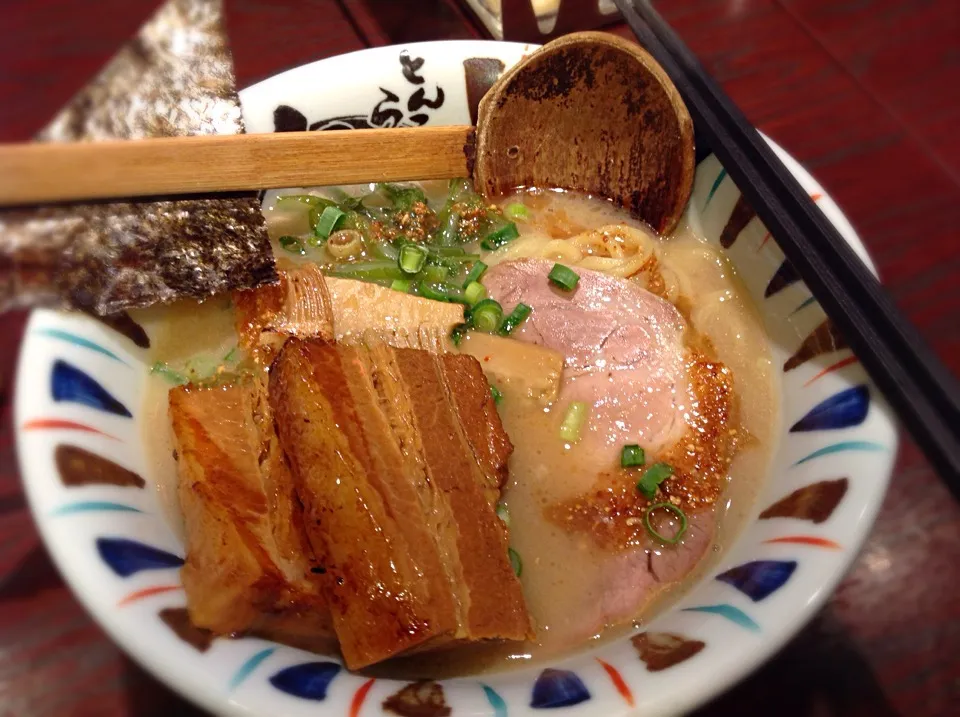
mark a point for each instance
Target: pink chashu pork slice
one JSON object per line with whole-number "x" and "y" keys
{"x": 624, "y": 355}
{"x": 623, "y": 352}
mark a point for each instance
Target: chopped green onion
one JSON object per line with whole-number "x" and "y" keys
{"x": 476, "y": 271}
{"x": 369, "y": 270}
{"x": 461, "y": 190}
{"x": 673, "y": 509}
{"x": 401, "y": 285}
{"x": 345, "y": 243}
{"x": 440, "y": 292}
{"x": 474, "y": 292}
{"x": 292, "y": 245}
{"x": 327, "y": 221}
{"x": 458, "y": 332}
{"x": 497, "y": 396}
{"x": 498, "y": 237}
{"x": 454, "y": 263}
{"x": 164, "y": 371}
{"x": 315, "y": 214}
{"x": 434, "y": 273}
{"x": 355, "y": 220}
{"x": 486, "y": 316}
{"x": 573, "y": 421}
{"x": 429, "y": 290}
{"x": 653, "y": 477}
{"x": 231, "y": 355}
{"x": 516, "y": 317}
{"x": 412, "y": 258}
{"x": 201, "y": 366}
{"x": 308, "y": 199}
{"x": 386, "y": 250}
{"x": 449, "y": 233}
{"x": 632, "y": 455}
{"x": 503, "y": 514}
{"x": 340, "y": 196}
{"x": 454, "y": 253}
{"x": 517, "y": 210}
{"x": 515, "y": 562}
{"x": 402, "y": 198}
{"x": 564, "y": 277}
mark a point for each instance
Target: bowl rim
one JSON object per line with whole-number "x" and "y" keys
{"x": 80, "y": 583}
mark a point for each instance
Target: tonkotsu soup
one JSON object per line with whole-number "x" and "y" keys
{"x": 630, "y": 372}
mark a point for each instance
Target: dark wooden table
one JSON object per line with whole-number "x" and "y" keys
{"x": 865, "y": 93}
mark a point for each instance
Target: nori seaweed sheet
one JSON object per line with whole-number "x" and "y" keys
{"x": 174, "y": 78}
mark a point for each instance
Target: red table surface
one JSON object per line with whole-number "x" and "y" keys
{"x": 865, "y": 93}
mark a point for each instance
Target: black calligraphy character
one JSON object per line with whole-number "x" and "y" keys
{"x": 410, "y": 67}
{"x": 419, "y": 99}
{"x": 386, "y": 117}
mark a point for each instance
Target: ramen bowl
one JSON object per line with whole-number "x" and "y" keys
{"x": 80, "y": 437}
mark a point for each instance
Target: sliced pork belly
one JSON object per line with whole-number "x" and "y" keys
{"x": 397, "y": 461}
{"x": 248, "y": 563}
{"x": 305, "y": 304}
{"x": 623, "y": 351}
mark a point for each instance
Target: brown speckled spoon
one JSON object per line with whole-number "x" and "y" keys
{"x": 588, "y": 111}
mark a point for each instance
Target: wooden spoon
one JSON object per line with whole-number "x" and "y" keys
{"x": 589, "y": 112}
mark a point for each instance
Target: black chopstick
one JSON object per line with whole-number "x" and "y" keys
{"x": 921, "y": 390}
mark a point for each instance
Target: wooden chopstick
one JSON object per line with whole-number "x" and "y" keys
{"x": 917, "y": 385}
{"x": 55, "y": 172}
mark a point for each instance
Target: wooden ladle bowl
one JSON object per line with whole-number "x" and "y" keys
{"x": 594, "y": 113}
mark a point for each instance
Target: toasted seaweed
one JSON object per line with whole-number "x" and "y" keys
{"x": 175, "y": 78}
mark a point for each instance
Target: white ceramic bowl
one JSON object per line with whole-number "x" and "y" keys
{"x": 78, "y": 431}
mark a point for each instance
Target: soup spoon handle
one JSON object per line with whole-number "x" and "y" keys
{"x": 36, "y": 173}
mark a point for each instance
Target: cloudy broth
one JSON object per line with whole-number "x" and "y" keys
{"x": 564, "y": 573}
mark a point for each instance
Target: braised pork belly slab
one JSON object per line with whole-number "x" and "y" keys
{"x": 248, "y": 567}
{"x": 355, "y": 499}
{"x": 398, "y": 456}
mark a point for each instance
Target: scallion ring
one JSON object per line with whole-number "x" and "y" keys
{"x": 500, "y": 236}
{"x": 476, "y": 271}
{"x": 673, "y": 509}
{"x": 516, "y": 317}
{"x": 474, "y": 292}
{"x": 292, "y": 245}
{"x": 486, "y": 316}
{"x": 435, "y": 273}
{"x": 517, "y": 210}
{"x": 632, "y": 455}
{"x": 412, "y": 258}
{"x": 653, "y": 477}
{"x": 345, "y": 243}
{"x": 573, "y": 421}
{"x": 327, "y": 221}
{"x": 439, "y": 291}
{"x": 563, "y": 277}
